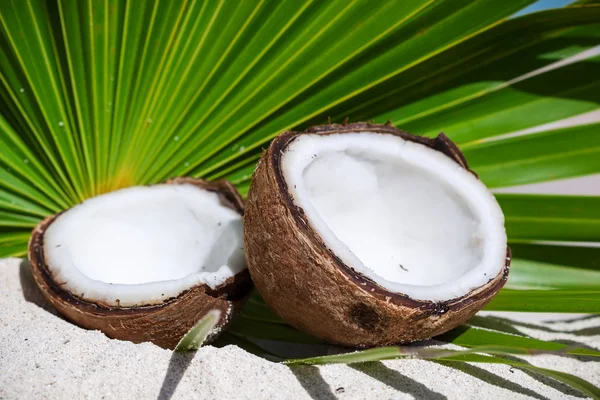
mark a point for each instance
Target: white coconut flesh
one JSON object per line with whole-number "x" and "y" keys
{"x": 406, "y": 216}
{"x": 142, "y": 245}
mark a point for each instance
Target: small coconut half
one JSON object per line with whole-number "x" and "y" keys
{"x": 367, "y": 235}
{"x": 145, "y": 263}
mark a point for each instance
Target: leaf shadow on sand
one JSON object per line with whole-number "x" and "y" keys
{"x": 178, "y": 364}
{"x": 311, "y": 380}
{"x": 553, "y": 383}
{"x": 402, "y": 383}
{"x": 492, "y": 378}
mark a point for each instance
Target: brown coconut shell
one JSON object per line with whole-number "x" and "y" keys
{"x": 162, "y": 324}
{"x": 312, "y": 289}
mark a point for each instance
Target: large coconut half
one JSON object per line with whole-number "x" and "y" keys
{"x": 367, "y": 235}
{"x": 145, "y": 263}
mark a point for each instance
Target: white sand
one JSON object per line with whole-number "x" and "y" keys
{"x": 43, "y": 356}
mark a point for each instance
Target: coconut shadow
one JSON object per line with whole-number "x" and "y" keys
{"x": 31, "y": 291}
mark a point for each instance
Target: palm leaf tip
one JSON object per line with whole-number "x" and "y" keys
{"x": 199, "y": 332}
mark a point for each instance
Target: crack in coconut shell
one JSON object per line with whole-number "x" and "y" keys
{"x": 163, "y": 324}
{"x": 325, "y": 297}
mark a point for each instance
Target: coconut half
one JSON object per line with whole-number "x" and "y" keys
{"x": 145, "y": 263}
{"x": 367, "y": 235}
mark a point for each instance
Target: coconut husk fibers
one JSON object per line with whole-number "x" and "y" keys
{"x": 163, "y": 324}
{"x": 312, "y": 289}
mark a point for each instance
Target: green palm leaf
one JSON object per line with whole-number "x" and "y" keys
{"x": 577, "y": 301}
{"x": 99, "y": 95}
{"x": 545, "y": 217}
{"x": 573, "y": 255}
{"x": 477, "y": 89}
{"x": 561, "y": 153}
